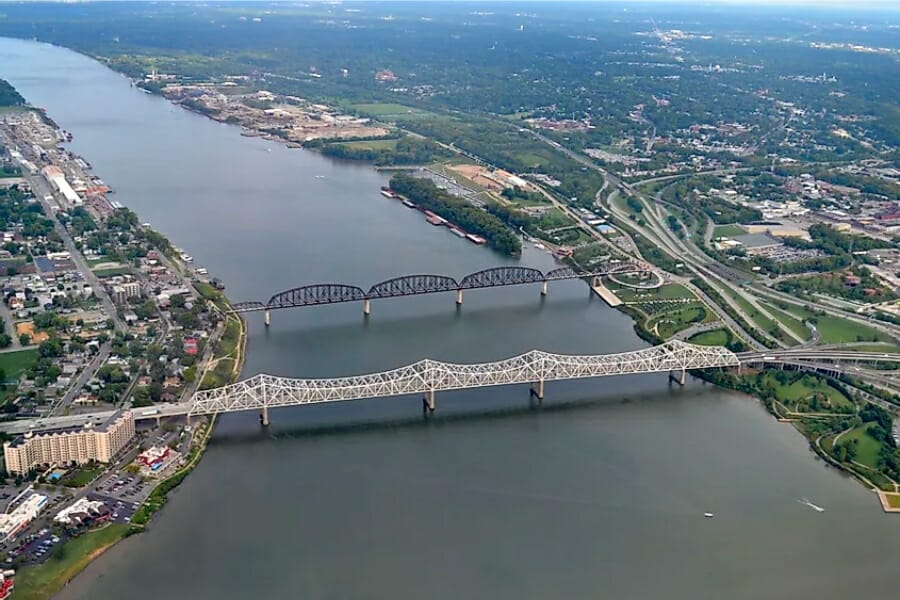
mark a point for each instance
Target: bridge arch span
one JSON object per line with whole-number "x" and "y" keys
{"x": 561, "y": 273}
{"x": 320, "y": 293}
{"x": 409, "y": 285}
{"x": 248, "y": 306}
{"x": 498, "y": 276}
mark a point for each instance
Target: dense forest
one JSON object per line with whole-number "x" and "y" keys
{"x": 456, "y": 210}
{"x": 405, "y": 151}
{"x": 9, "y": 96}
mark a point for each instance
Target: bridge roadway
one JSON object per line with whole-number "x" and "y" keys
{"x": 414, "y": 285}
{"x": 426, "y": 377}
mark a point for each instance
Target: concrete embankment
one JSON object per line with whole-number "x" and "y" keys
{"x": 608, "y": 296}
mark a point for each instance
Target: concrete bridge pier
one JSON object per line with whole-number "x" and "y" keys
{"x": 367, "y": 307}
{"x": 679, "y": 378}
{"x": 428, "y": 403}
{"x": 264, "y": 416}
{"x": 544, "y": 289}
{"x": 537, "y": 390}
{"x": 459, "y": 297}
{"x": 268, "y": 318}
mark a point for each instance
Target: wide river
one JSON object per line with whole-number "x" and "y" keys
{"x": 599, "y": 494}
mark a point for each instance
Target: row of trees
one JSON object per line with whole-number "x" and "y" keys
{"x": 456, "y": 210}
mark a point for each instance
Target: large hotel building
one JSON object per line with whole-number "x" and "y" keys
{"x": 71, "y": 445}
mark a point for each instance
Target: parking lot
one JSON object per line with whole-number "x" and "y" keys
{"x": 125, "y": 487}
{"x": 121, "y": 510}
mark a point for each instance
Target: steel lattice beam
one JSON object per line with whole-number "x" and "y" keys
{"x": 428, "y": 376}
{"x": 411, "y": 285}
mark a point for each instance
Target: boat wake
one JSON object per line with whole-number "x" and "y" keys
{"x": 815, "y": 507}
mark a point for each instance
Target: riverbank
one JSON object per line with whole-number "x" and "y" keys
{"x": 226, "y": 346}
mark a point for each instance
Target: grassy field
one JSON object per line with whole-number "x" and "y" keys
{"x": 389, "y": 110}
{"x": 760, "y": 320}
{"x": 835, "y": 330}
{"x": 14, "y": 363}
{"x": 791, "y": 322}
{"x": 867, "y": 448}
{"x": 893, "y": 500}
{"x": 799, "y": 392}
{"x": 669, "y": 323}
{"x": 112, "y": 272}
{"x": 716, "y": 337}
{"x": 727, "y": 231}
{"x": 42, "y": 582}
{"x": 672, "y": 291}
{"x": 885, "y": 348}
{"x": 82, "y": 477}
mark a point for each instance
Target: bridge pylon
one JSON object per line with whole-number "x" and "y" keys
{"x": 367, "y": 307}
{"x": 267, "y": 318}
{"x": 264, "y": 416}
{"x": 537, "y": 389}
{"x": 459, "y": 297}
{"x": 428, "y": 402}
{"x": 544, "y": 288}
{"x": 679, "y": 378}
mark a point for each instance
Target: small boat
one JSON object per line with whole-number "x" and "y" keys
{"x": 320, "y": 177}
{"x": 708, "y": 515}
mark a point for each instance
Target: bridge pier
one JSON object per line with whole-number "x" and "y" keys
{"x": 459, "y": 297}
{"x": 681, "y": 378}
{"x": 264, "y": 416}
{"x": 537, "y": 390}
{"x": 367, "y": 307}
{"x": 267, "y": 318}
{"x": 544, "y": 289}
{"x": 428, "y": 403}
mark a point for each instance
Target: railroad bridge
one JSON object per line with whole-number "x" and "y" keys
{"x": 413, "y": 285}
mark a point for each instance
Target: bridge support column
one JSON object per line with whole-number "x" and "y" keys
{"x": 459, "y": 297}
{"x": 679, "y": 378}
{"x": 544, "y": 289}
{"x": 367, "y": 307}
{"x": 428, "y": 403}
{"x": 264, "y": 416}
{"x": 267, "y": 318}
{"x": 537, "y": 389}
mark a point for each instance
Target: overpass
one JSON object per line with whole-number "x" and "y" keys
{"x": 414, "y": 285}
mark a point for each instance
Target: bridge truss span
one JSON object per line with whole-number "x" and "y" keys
{"x": 426, "y": 377}
{"x": 410, "y": 285}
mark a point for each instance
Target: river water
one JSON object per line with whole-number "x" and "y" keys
{"x": 599, "y": 494}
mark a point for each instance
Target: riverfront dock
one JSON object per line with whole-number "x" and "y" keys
{"x": 607, "y": 294}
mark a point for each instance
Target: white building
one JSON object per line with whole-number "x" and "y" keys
{"x": 57, "y": 179}
{"x": 14, "y": 522}
{"x": 74, "y": 514}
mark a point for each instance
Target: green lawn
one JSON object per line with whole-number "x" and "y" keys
{"x": 14, "y": 363}
{"x": 728, "y": 231}
{"x": 83, "y": 476}
{"x": 388, "y": 110}
{"x": 798, "y": 393}
{"x": 716, "y": 337}
{"x": 885, "y": 348}
{"x": 791, "y": 322}
{"x": 672, "y": 291}
{"x": 835, "y": 330}
{"x": 867, "y": 449}
{"x": 893, "y": 500}
{"x": 112, "y": 272}
{"x": 42, "y": 582}
{"x": 670, "y": 323}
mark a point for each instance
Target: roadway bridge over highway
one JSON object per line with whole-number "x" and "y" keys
{"x": 414, "y": 285}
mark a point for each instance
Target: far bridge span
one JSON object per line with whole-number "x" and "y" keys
{"x": 414, "y": 285}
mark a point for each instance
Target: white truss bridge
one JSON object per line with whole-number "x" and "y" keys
{"x": 426, "y": 377}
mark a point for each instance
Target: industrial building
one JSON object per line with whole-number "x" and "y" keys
{"x": 57, "y": 179}
{"x": 78, "y": 445}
